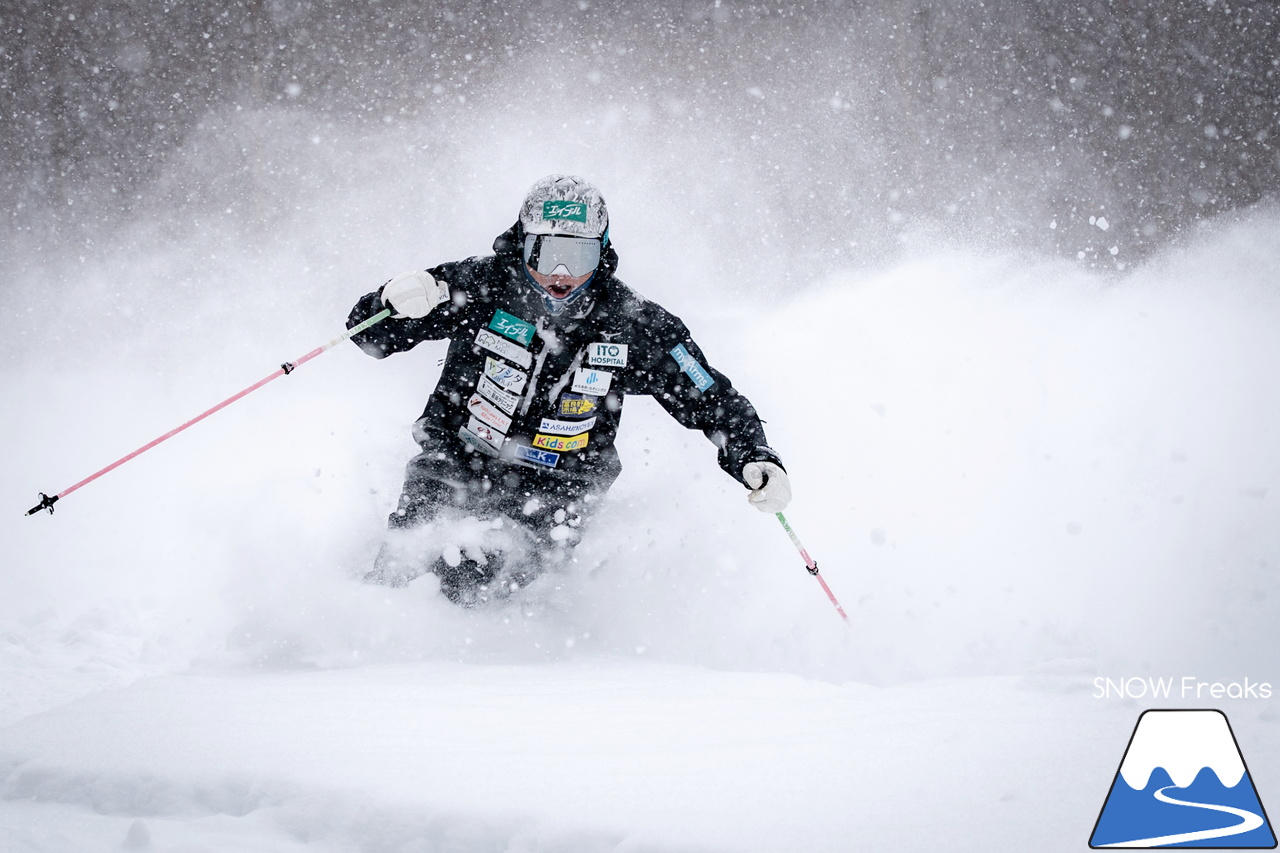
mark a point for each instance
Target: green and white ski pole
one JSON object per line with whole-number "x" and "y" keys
{"x": 47, "y": 501}
{"x": 812, "y": 566}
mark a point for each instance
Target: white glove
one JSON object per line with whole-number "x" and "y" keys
{"x": 770, "y": 488}
{"x": 413, "y": 294}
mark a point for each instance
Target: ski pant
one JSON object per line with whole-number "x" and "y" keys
{"x": 548, "y": 513}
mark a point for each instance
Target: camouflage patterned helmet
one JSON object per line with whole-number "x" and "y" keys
{"x": 565, "y": 204}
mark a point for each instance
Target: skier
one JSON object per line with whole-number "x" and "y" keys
{"x": 545, "y": 342}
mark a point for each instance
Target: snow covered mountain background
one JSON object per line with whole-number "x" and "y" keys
{"x": 1020, "y": 458}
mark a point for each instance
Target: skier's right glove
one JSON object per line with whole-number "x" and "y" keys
{"x": 412, "y": 295}
{"x": 770, "y": 488}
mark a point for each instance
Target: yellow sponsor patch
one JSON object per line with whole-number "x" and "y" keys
{"x": 576, "y": 406}
{"x": 561, "y": 442}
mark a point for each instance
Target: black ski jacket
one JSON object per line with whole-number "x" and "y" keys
{"x": 539, "y": 396}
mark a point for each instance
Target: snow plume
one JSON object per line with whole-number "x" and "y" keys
{"x": 1000, "y": 457}
{"x": 998, "y": 461}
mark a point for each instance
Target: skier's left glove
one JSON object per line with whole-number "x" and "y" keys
{"x": 770, "y": 488}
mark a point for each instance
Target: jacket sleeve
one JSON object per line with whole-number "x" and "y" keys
{"x": 393, "y": 335}
{"x": 701, "y": 397}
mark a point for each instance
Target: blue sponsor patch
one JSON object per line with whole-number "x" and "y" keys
{"x": 690, "y": 365}
{"x": 537, "y": 457}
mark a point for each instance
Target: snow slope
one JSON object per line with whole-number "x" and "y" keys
{"x": 604, "y": 754}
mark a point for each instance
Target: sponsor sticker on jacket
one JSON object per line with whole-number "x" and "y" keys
{"x": 488, "y": 413}
{"x": 575, "y": 406}
{"x": 690, "y": 366}
{"x": 473, "y": 440}
{"x": 486, "y": 432}
{"x": 536, "y": 456}
{"x": 607, "y": 355}
{"x": 504, "y": 374}
{"x": 503, "y": 347}
{"x": 560, "y": 442}
{"x": 511, "y": 326}
{"x": 566, "y": 427}
{"x": 595, "y": 382}
{"x": 503, "y": 400}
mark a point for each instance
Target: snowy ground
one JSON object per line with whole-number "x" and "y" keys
{"x": 1015, "y": 475}
{"x": 603, "y": 754}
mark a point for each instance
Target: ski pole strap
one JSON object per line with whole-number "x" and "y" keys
{"x": 47, "y": 502}
{"x": 812, "y": 566}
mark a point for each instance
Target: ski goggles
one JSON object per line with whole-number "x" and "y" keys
{"x": 545, "y": 252}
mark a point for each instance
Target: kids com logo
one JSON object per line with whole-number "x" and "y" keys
{"x": 1183, "y": 783}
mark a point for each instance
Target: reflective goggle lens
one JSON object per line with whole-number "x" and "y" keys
{"x": 544, "y": 252}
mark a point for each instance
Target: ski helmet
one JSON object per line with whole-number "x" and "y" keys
{"x": 566, "y": 205}
{"x": 565, "y": 228}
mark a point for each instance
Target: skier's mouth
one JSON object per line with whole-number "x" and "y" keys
{"x": 559, "y": 286}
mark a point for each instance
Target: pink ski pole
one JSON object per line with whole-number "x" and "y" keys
{"x": 812, "y": 566}
{"x": 47, "y": 502}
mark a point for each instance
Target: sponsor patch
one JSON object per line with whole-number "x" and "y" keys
{"x": 566, "y": 427}
{"x": 572, "y": 210}
{"x": 561, "y": 442}
{"x": 488, "y": 413}
{"x": 537, "y": 457}
{"x": 595, "y": 382}
{"x": 607, "y": 355}
{"x": 503, "y": 347}
{"x": 576, "y": 406}
{"x": 474, "y": 441}
{"x": 511, "y": 326}
{"x": 503, "y": 400}
{"x": 504, "y": 374}
{"x": 690, "y": 365}
{"x": 486, "y": 432}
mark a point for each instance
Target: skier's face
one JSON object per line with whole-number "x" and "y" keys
{"x": 558, "y": 284}
{"x": 561, "y": 264}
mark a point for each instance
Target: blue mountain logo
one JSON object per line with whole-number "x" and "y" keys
{"x": 1183, "y": 783}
